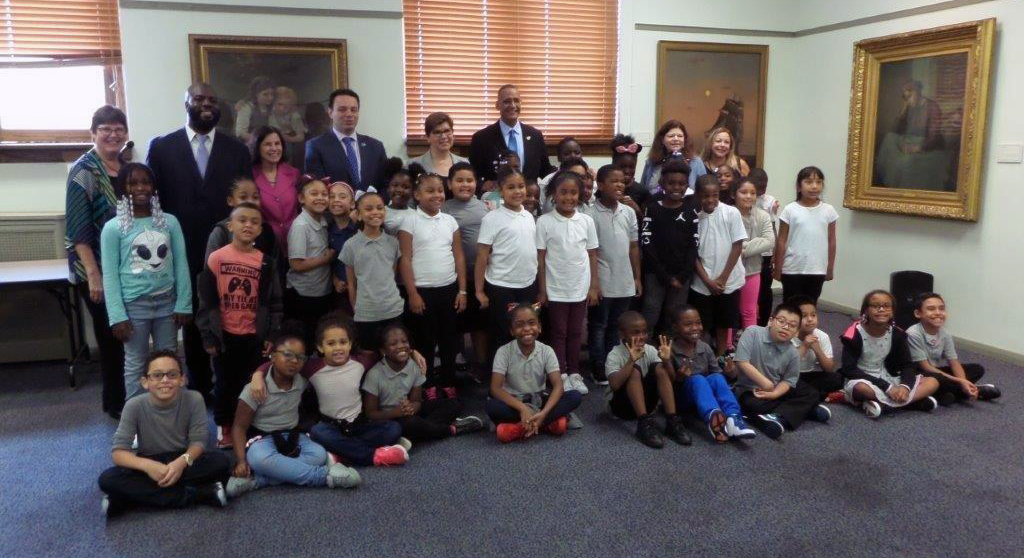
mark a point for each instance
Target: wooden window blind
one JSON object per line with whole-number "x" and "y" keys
{"x": 60, "y": 31}
{"x": 562, "y": 54}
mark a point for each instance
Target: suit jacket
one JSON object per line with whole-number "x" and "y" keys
{"x": 325, "y": 156}
{"x": 198, "y": 202}
{"x": 488, "y": 142}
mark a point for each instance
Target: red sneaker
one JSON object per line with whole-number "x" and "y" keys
{"x": 510, "y": 432}
{"x": 835, "y": 397}
{"x": 450, "y": 392}
{"x": 388, "y": 456}
{"x": 224, "y": 437}
{"x": 430, "y": 393}
{"x": 558, "y": 427}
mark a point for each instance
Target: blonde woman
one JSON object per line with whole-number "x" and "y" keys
{"x": 720, "y": 149}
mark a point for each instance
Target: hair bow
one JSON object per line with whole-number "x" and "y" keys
{"x": 631, "y": 148}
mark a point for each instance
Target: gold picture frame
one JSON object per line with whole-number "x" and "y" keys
{"x": 699, "y": 84}
{"x": 918, "y": 111}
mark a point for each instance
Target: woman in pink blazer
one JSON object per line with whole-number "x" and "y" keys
{"x": 276, "y": 181}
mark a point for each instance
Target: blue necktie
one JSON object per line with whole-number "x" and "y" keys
{"x": 202, "y": 155}
{"x": 353, "y": 162}
{"x": 513, "y": 145}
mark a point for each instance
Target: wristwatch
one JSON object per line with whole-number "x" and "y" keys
{"x": 188, "y": 459}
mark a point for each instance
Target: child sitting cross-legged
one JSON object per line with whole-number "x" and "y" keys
{"x": 269, "y": 448}
{"x": 393, "y": 390}
{"x": 171, "y": 468}
{"x": 817, "y": 366}
{"x": 521, "y": 403}
{"x": 638, "y": 379}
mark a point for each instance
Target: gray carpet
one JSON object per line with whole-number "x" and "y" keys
{"x": 913, "y": 484}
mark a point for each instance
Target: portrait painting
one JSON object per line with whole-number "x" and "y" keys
{"x": 917, "y": 121}
{"x": 711, "y": 85}
{"x": 281, "y": 82}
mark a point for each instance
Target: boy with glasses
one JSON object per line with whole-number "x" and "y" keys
{"x": 170, "y": 469}
{"x": 768, "y": 388}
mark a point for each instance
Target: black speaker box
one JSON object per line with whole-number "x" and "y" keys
{"x": 905, "y": 286}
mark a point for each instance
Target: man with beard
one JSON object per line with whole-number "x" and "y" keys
{"x": 509, "y": 133}
{"x": 194, "y": 167}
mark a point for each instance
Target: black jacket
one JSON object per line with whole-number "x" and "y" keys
{"x": 268, "y": 313}
{"x": 488, "y": 142}
{"x": 897, "y": 362}
{"x": 668, "y": 239}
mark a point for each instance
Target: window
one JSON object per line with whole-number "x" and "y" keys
{"x": 59, "y": 61}
{"x": 561, "y": 53}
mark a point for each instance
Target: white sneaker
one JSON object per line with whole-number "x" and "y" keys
{"x": 240, "y": 485}
{"x": 872, "y": 409}
{"x": 340, "y": 476}
{"x": 575, "y": 381}
{"x": 405, "y": 443}
{"x": 736, "y": 427}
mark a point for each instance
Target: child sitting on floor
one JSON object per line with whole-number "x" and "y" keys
{"x": 171, "y": 468}
{"x": 521, "y": 402}
{"x": 817, "y": 367}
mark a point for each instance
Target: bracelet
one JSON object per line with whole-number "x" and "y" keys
{"x": 462, "y": 292}
{"x": 188, "y": 459}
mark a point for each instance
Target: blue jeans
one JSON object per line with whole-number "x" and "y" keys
{"x": 359, "y": 447}
{"x": 603, "y": 330}
{"x": 269, "y": 467}
{"x": 151, "y": 316}
{"x": 500, "y": 412}
{"x": 708, "y": 393}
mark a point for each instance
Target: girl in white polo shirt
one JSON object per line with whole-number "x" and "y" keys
{"x": 567, "y": 272}
{"x": 433, "y": 270}
{"x": 506, "y": 256}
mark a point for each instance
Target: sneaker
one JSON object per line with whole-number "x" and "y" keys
{"x": 405, "y": 443}
{"x": 430, "y": 393}
{"x": 837, "y": 396}
{"x": 820, "y": 413}
{"x": 212, "y": 494}
{"x": 510, "y": 432}
{"x": 873, "y": 409}
{"x": 988, "y": 392}
{"x": 558, "y": 426}
{"x": 340, "y": 476}
{"x": 675, "y": 430}
{"x": 105, "y": 505}
{"x": 771, "y": 425}
{"x": 224, "y": 437}
{"x": 388, "y": 456}
{"x": 946, "y": 398}
{"x": 574, "y": 422}
{"x": 928, "y": 404}
{"x": 333, "y": 459}
{"x": 717, "y": 425}
{"x": 467, "y": 425}
{"x": 240, "y": 485}
{"x": 577, "y": 383}
{"x": 648, "y": 432}
{"x": 450, "y": 392}
{"x": 736, "y": 427}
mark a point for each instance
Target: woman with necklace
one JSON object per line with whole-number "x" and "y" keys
{"x": 276, "y": 180}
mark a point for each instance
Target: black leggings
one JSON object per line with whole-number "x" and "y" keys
{"x": 111, "y": 352}
{"x": 806, "y": 285}
{"x": 497, "y": 311}
{"x": 765, "y": 297}
{"x": 433, "y": 422}
{"x": 436, "y": 326}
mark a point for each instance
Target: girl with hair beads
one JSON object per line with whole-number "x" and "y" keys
{"x": 672, "y": 143}
{"x": 399, "y": 181}
{"x": 527, "y": 394}
{"x": 805, "y": 250}
{"x": 146, "y": 284}
{"x": 760, "y": 237}
{"x": 567, "y": 279}
{"x": 370, "y": 259}
{"x": 877, "y": 365}
{"x": 433, "y": 270}
{"x": 506, "y": 256}
{"x": 625, "y": 151}
{"x": 308, "y": 294}
{"x": 720, "y": 150}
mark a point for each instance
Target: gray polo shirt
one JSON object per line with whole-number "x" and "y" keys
{"x": 373, "y": 261}
{"x": 525, "y": 375}
{"x": 619, "y": 356}
{"x": 307, "y": 238}
{"x": 616, "y": 229}
{"x": 468, "y": 214}
{"x": 937, "y": 349}
{"x": 703, "y": 361}
{"x": 779, "y": 361}
{"x": 391, "y": 386}
{"x": 281, "y": 409}
{"x": 162, "y": 428}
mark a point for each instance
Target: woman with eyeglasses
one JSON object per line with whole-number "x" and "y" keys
{"x": 441, "y": 136}
{"x": 89, "y": 203}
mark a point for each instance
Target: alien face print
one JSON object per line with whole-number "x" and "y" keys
{"x": 150, "y": 250}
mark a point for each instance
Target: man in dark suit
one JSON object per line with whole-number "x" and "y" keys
{"x": 342, "y": 154}
{"x": 509, "y": 133}
{"x": 194, "y": 167}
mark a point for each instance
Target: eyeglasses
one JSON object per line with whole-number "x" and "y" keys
{"x": 159, "y": 376}
{"x": 295, "y": 357}
{"x": 880, "y": 307}
{"x": 439, "y": 133}
{"x": 112, "y": 130}
{"x": 786, "y": 324}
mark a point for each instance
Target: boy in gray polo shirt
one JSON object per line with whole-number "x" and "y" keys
{"x": 171, "y": 468}
{"x": 276, "y": 451}
{"x": 768, "y": 387}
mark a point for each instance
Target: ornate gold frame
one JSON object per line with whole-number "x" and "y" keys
{"x": 200, "y": 46}
{"x": 664, "y": 47}
{"x": 974, "y": 38}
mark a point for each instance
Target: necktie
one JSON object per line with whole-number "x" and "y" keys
{"x": 202, "y": 155}
{"x": 513, "y": 145}
{"x": 353, "y": 162}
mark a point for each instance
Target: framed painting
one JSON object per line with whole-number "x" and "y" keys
{"x": 711, "y": 85}
{"x": 283, "y": 82}
{"x": 918, "y": 111}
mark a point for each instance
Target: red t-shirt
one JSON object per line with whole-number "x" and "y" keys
{"x": 238, "y": 285}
